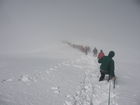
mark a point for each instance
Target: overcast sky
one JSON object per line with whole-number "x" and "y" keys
{"x": 35, "y": 24}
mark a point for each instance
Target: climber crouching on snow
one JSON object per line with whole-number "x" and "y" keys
{"x": 107, "y": 66}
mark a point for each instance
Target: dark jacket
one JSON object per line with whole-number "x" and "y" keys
{"x": 107, "y": 64}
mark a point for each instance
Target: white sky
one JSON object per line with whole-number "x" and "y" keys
{"x": 35, "y": 24}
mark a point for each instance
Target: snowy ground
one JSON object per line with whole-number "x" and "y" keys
{"x": 46, "y": 81}
{"x": 37, "y": 80}
{"x": 128, "y": 80}
{"x": 66, "y": 78}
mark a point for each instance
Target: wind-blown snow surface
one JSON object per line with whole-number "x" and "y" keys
{"x": 46, "y": 81}
{"x": 67, "y": 77}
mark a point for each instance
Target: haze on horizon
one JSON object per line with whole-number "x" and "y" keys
{"x": 27, "y": 25}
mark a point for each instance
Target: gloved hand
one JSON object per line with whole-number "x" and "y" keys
{"x": 111, "y": 78}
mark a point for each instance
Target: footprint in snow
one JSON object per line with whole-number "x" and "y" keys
{"x": 67, "y": 103}
{"x": 55, "y": 67}
{"x": 51, "y": 69}
{"x": 77, "y": 66}
{"x": 7, "y": 80}
{"x": 24, "y": 78}
{"x": 47, "y": 72}
{"x": 56, "y": 90}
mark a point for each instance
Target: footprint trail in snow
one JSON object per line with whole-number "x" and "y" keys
{"x": 91, "y": 91}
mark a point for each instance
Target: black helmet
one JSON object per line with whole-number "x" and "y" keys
{"x": 111, "y": 54}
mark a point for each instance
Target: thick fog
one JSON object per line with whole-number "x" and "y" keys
{"x": 32, "y": 25}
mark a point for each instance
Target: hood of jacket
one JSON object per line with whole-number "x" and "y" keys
{"x": 111, "y": 54}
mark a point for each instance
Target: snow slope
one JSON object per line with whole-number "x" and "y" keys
{"x": 66, "y": 77}
{"x": 128, "y": 80}
{"x": 46, "y": 81}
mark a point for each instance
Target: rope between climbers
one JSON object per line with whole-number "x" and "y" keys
{"x": 109, "y": 93}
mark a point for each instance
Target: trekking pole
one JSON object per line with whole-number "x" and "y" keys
{"x": 114, "y": 83}
{"x": 109, "y": 93}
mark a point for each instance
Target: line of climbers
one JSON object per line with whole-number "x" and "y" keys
{"x": 84, "y": 49}
{"x": 107, "y": 65}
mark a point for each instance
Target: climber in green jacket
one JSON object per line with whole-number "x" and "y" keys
{"x": 107, "y": 66}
